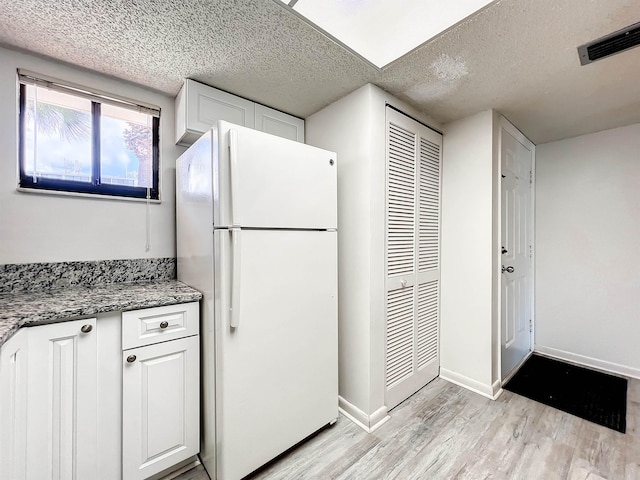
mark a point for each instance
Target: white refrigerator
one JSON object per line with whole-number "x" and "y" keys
{"x": 257, "y": 235}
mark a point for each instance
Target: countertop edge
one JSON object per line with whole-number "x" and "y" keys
{"x": 176, "y": 293}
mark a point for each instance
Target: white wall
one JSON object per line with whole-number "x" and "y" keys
{"x": 469, "y": 222}
{"x": 344, "y": 127}
{"x": 587, "y": 249}
{"x": 50, "y": 228}
{"x": 354, "y": 127}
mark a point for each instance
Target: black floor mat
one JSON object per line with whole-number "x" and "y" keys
{"x": 594, "y": 396}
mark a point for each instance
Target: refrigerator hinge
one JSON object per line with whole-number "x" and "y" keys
{"x": 530, "y": 325}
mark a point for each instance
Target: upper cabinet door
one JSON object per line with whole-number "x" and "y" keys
{"x": 199, "y": 106}
{"x": 277, "y": 123}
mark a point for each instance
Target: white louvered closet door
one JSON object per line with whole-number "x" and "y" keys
{"x": 412, "y": 256}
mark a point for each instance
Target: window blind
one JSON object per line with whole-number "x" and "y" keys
{"x": 30, "y": 78}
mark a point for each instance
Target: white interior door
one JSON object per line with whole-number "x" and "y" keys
{"x": 412, "y": 257}
{"x": 516, "y": 156}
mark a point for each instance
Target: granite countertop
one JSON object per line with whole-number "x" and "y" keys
{"x": 34, "y": 308}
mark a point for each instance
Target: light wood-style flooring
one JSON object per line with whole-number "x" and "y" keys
{"x": 447, "y": 432}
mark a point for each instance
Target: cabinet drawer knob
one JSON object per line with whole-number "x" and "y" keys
{"x": 86, "y": 328}
{"x": 131, "y": 358}
{"x": 164, "y": 324}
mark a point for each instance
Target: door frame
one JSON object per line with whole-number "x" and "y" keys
{"x": 504, "y": 124}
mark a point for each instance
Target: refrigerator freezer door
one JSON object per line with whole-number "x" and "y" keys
{"x": 261, "y": 180}
{"x": 277, "y": 371}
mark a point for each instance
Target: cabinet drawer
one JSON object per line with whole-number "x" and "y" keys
{"x": 159, "y": 324}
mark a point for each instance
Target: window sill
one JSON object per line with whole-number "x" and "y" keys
{"x": 95, "y": 196}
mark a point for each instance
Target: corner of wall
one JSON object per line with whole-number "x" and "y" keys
{"x": 343, "y": 127}
{"x": 368, "y": 422}
{"x": 496, "y": 342}
{"x": 467, "y": 259}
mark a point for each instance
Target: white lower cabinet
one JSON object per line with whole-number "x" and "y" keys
{"x": 62, "y": 401}
{"x": 160, "y": 421}
{"x": 73, "y": 407}
{"x": 13, "y": 407}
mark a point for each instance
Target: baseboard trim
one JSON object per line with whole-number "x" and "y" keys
{"x": 369, "y": 423}
{"x": 492, "y": 391}
{"x": 588, "y": 361}
{"x": 496, "y": 389}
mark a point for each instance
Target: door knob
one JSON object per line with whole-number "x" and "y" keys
{"x": 508, "y": 269}
{"x": 86, "y": 328}
{"x": 131, "y": 358}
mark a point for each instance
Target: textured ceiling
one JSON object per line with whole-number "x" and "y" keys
{"x": 517, "y": 56}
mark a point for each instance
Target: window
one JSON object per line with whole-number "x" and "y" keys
{"x": 81, "y": 141}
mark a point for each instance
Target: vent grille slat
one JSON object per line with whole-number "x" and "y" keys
{"x": 400, "y": 335}
{"x": 427, "y": 341}
{"x": 611, "y": 44}
{"x": 429, "y": 206}
{"x": 401, "y": 207}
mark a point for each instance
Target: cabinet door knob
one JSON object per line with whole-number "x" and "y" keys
{"x": 86, "y": 328}
{"x": 131, "y": 358}
{"x": 164, "y": 324}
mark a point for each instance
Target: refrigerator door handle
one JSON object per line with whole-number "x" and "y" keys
{"x": 234, "y": 322}
{"x": 234, "y": 173}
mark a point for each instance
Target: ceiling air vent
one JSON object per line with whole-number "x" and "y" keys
{"x": 611, "y": 44}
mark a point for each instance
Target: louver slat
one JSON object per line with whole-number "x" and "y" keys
{"x": 429, "y": 206}
{"x": 427, "y": 341}
{"x": 400, "y": 335}
{"x": 401, "y": 206}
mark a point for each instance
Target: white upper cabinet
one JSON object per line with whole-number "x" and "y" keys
{"x": 199, "y": 106}
{"x": 277, "y": 123}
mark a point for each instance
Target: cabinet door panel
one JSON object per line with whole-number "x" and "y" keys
{"x": 278, "y": 123}
{"x": 199, "y": 106}
{"x": 13, "y": 398}
{"x": 160, "y": 406}
{"x": 208, "y": 105}
{"x": 62, "y": 401}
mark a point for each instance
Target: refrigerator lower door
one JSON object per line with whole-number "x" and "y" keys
{"x": 277, "y": 370}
